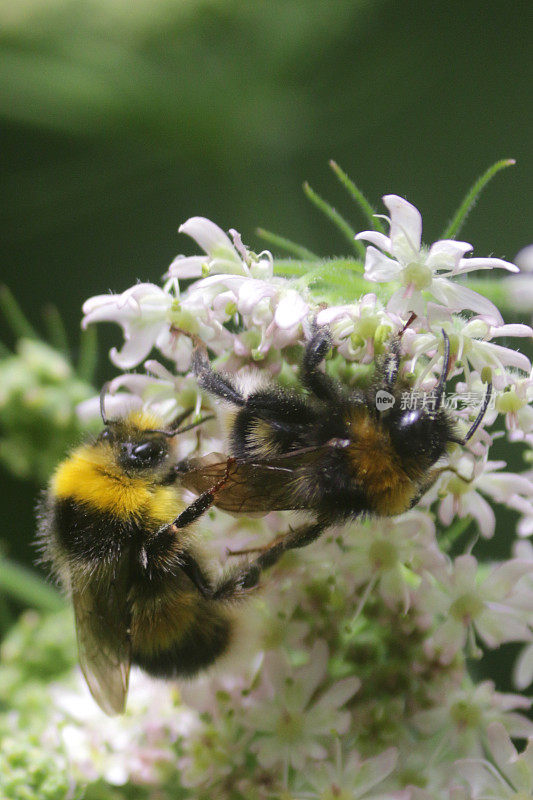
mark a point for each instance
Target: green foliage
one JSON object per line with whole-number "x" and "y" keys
{"x": 27, "y": 772}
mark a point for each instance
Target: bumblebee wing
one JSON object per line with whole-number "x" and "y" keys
{"x": 102, "y": 625}
{"x": 252, "y": 487}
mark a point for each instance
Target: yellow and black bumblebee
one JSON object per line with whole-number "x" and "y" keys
{"x": 335, "y": 452}
{"x": 117, "y": 534}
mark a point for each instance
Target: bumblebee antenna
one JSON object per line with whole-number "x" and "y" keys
{"x": 103, "y": 393}
{"x": 175, "y": 430}
{"x": 477, "y": 422}
{"x": 441, "y": 385}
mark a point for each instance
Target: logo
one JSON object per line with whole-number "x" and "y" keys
{"x": 384, "y": 400}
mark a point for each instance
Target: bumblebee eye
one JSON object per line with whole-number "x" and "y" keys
{"x": 143, "y": 455}
{"x": 105, "y": 436}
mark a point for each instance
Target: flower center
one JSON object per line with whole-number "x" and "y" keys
{"x": 466, "y": 607}
{"x": 465, "y": 715}
{"x": 290, "y": 727}
{"x": 509, "y": 402}
{"x": 418, "y": 275}
{"x": 382, "y": 554}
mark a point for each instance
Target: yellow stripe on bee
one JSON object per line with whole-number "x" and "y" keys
{"x": 90, "y": 476}
{"x": 377, "y": 467}
{"x": 143, "y": 421}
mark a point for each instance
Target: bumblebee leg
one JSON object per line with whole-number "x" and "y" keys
{"x": 248, "y": 576}
{"x": 204, "y": 502}
{"x": 212, "y": 381}
{"x": 193, "y": 571}
{"x": 311, "y": 377}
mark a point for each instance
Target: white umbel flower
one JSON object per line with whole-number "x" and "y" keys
{"x": 402, "y": 257}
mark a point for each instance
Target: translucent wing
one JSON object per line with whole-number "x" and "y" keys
{"x": 262, "y": 486}
{"x": 102, "y": 624}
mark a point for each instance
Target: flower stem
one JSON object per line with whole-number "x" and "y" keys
{"x": 332, "y": 214}
{"x": 471, "y": 197}
{"x": 88, "y": 354}
{"x": 368, "y": 211}
{"x": 289, "y": 246}
{"x": 56, "y": 329}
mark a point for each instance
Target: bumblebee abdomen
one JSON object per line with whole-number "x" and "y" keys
{"x": 178, "y": 635}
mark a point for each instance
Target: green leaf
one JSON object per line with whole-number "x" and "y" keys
{"x": 88, "y": 354}
{"x": 332, "y": 214}
{"x": 286, "y": 244}
{"x": 356, "y": 194}
{"x": 27, "y": 587}
{"x": 471, "y": 197}
{"x": 57, "y": 333}
{"x": 15, "y": 317}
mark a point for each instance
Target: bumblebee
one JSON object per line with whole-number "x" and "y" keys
{"x": 118, "y": 536}
{"x": 337, "y": 453}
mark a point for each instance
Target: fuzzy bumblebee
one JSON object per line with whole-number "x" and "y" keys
{"x": 118, "y": 536}
{"x": 338, "y": 453}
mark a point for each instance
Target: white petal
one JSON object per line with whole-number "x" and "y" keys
{"x": 465, "y": 571}
{"x": 338, "y": 694}
{"x": 447, "y": 253}
{"x": 469, "y": 264}
{"x": 379, "y": 268}
{"x": 512, "y": 330}
{"x": 458, "y": 298}
{"x": 405, "y": 227}
{"x": 210, "y": 237}
{"x": 379, "y": 239}
{"x": 482, "y": 513}
{"x": 291, "y": 310}
{"x": 524, "y": 259}
{"x": 136, "y": 348}
{"x": 496, "y": 354}
{"x": 187, "y": 267}
{"x": 523, "y": 670}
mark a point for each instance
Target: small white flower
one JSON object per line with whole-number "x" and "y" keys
{"x": 387, "y": 553}
{"x": 222, "y": 255}
{"x": 142, "y": 312}
{"x": 470, "y": 344}
{"x": 292, "y": 726}
{"x": 351, "y": 778}
{"x": 508, "y": 775}
{"x": 472, "y": 709}
{"x": 491, "y": 606}
{"x": 402, "y": 257}
{"x": 460, "y": 489}
{"x": 355, "y": 327}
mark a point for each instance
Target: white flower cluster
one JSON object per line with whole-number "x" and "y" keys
{"x": 353, "y": 683}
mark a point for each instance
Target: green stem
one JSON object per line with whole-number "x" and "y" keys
{"x": 286, "y": 244}
{"x": 368, "y": 211}
{"x": 332, "y": 214}
{"x": 15, "y": 317}
{"x": 27, "y": 587}
{"x": 287, "y": 267}
{"x": 88, "y": 354}
{"x": 56, "y": 329}
{"x": 453, "y": 533}
{"x": 470, "y": 198}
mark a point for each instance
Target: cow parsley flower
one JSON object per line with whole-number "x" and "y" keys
{"x": 490, "y": 606}
{"x": 401, "y": 257}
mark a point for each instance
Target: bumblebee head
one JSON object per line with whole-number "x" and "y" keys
{"x": 138, "y": 441}
{"x": 423, "y": 429}
{"x": 135, "y": 449}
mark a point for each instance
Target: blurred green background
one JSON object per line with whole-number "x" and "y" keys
{"x": 122, "y": 119}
